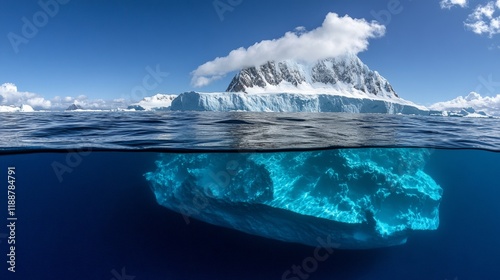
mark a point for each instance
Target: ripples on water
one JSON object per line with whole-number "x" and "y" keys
{"x": 92, "y": 215}
{"x": 223, "y": 131}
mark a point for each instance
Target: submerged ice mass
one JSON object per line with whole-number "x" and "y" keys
{"x": 361, "y": 198}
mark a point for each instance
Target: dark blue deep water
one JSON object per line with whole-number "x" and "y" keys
{"x": 99, "y": 218}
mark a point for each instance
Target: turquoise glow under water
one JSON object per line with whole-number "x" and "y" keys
{"x": 361, "y": 198}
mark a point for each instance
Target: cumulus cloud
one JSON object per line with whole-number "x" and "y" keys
{"x": 336, "y": 36}
{"x": 10, "y": 96}
{"x": 448, "y": 4}
{"x": 484, "y": 19}
{"x": 488, "y": 104}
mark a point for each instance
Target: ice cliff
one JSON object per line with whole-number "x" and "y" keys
{"x": 360, "y": 198}
{"x": 289, "y": 102}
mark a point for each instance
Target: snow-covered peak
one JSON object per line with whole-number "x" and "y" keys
{"x": 345, "y": 75}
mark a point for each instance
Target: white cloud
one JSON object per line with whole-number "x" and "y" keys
{"x": 336, "y": 36}
{"x": 489, "y": 105}
{"x": 10, "y": 96}
{"x": 483, "y": 20}
{"x": 8, "y": 87}
{"x": 448, "y": 4}
{"x": 299, "y": 30}
{"x": 39, "y": 102}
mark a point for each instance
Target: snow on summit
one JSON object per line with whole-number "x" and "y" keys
{"x": 345, "y": 75}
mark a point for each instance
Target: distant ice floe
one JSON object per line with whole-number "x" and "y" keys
{"x": 472, "y": 105}
{"x": 22, "y": 108}
{"x": 157, "y": 102}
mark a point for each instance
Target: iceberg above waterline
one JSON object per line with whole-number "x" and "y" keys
{"x": 360, "y": 198}
{"x": 291, "y": 102}
{"x": 340, "y": 84}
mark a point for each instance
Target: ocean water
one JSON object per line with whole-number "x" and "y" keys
{"x": 84, "y": 208}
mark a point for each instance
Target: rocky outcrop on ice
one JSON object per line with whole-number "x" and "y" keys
{"x": 344, "y": 73}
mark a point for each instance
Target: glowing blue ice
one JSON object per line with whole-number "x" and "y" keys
{"x": 361, "y": 198}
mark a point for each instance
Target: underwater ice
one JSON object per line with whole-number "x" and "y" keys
{"x": 359, "y": 198}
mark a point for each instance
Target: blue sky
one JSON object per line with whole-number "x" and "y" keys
{"x": 106, "y": 49}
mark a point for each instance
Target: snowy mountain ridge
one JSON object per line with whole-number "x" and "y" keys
{"x": 344, "y": 74}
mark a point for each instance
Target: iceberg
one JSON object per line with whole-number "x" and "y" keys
{"x": 291, "y": 102}
{"x": 340, "y": 84}
{"x": 23, "y": 108}
{"x": 361, "y": 198}
{"x": 158, "y": 102}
